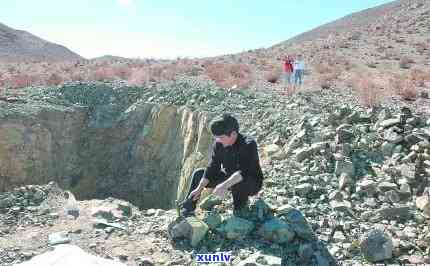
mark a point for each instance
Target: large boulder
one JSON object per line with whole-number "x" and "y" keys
{"x": 376, "y": 246}
{"x": 190, "y": 228}
{"x": 213, "y": 219}
{"x": 236, "y": 227}
{"x": 277, "y": 231}
{"x": 298, "y": 222}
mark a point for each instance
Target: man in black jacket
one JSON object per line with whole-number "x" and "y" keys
{"x": 234, "y": 165}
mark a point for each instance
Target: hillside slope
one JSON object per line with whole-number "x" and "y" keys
{"x": 18, "y": 45}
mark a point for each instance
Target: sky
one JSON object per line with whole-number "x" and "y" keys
{"x": 172, "y": 28}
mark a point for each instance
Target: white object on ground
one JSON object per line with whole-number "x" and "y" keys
{"x": 68, "y": 255}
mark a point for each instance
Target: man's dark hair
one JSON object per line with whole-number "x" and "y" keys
{"x": 224, "y": 125}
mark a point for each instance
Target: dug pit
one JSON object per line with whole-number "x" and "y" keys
{"x": 99, "y": 141}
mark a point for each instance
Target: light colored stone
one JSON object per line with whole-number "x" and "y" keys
{"x": 341, "y": 206}
{"x": 258, "y": 259}
{"x": 393, "y": 137}
{"x": 393, "y": 212}
{"x": 59, "y": 238}
{"x": 366, "y": 185}
{"x": 423, "y": 203}
{"x": 69, "y": 255}
{"x": 344, "y": 180}
{"x": 386, "y": 186}
{"x": 303, "y": 190}
{"x": 389, "y": 122}
{"x": 303, "y": 153}
{"x": 339, "y": 237}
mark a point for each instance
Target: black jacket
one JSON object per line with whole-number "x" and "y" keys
{"x": 242, "y": 156}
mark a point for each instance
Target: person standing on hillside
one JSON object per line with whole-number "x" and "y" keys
{"x": 234, "y": 166}
{"x": 288, "y": 71}
{"x": 299, "y": 69}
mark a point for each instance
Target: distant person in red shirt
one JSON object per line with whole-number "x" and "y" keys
{"x": 288, "y": 71}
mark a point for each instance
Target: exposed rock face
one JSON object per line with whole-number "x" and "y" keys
{"x": 135, "y": 151}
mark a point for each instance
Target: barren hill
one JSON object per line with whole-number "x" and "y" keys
{"x": 18, "y": 45}
{"x": 382, "y": 51}
{"x": 388, "y": 40}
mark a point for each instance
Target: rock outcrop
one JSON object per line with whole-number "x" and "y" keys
{"x": 103, "y": 145}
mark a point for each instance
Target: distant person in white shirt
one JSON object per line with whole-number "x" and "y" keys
{"x": 299, "y": 68}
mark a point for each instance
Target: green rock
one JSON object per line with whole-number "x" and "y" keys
{"x": 277, "y": 231}
{"x": 260, "y": 210}
{"x": 198, "y": 230}
{"x": 298, "y": 222}
{"x": 213, "y": 219}
{"x": 125, "y": 208}
{"x": 236, "y": 228}
{"x": 5, "y": 203}
{"x": 387, "y": 148}
{"x": 209, "y": 202}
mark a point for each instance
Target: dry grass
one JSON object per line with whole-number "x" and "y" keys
{"x": 19, "y": 75}
{"x": 370, "y": 91}
{"x": 327, "y": 74}
{"x": 229, "y": 75}
{"x": 404, "y": 86}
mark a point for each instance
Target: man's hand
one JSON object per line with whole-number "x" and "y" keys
{"x": 220, "y": 191}
{"x": 195, "y": 194}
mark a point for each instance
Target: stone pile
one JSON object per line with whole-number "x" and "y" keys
{"x": 28, "y": 205}
{"x": 359, "y": 175}
{"x": 285, "y": 229}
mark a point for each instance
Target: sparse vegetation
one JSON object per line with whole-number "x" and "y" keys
{"x": 370, "y": 91}
{"x": 229, "y": 75}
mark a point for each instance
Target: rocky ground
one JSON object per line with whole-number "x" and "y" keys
{"x": 358, "y": 175}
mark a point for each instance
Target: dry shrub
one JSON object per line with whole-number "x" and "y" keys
{"x": 326, "y": 81}
{"x": 78, "y": 76}
{"x": 419, "y": 77}
{"x": 272, "y": 76}
{"x": 328, "y": 75}
{"x": 322, "y": 68}
{"x": 104, "y": 73}
{"x": 409, "y": 92}
{"x": 422, "y": 47}
{"x": 20, "y": 81}
{"x": 139, "y": 76}
{"x": 369, "y": 90}
{"x": 54, "y": 79}
{"x": 229, "y": 75}
{"x": 404, "y": 86}
{"x": 188, "y": 67}
{"x": 142, "y": 75}
{"x": 122, "y": 72}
